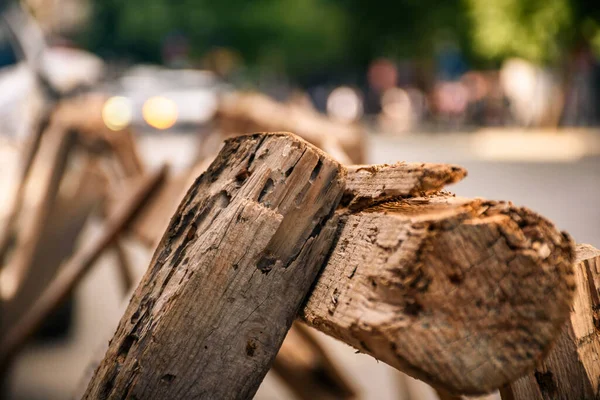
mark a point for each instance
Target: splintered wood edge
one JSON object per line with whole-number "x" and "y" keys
{"x": 466, "y": 295}
{"x": 371, "y": 184}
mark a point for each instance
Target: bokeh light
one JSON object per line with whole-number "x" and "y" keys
{"x": 160, "y": 112}
{"x": 117, "y": 113}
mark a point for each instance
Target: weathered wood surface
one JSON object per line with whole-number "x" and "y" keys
{"x": 308, "y": 370}
{"x": 74, "y": 269}
{"x": 401, "y": 269}
{"x": 229, "y": 275}
{"x": 571, "y": 371}
{"x": 464, "y": 294}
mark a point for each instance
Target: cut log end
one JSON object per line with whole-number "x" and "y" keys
{"x": 452, "y": 291}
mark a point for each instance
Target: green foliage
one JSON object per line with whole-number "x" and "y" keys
{"x": 297, "y": 33}
{"x": 301, "y": 36}
{"x": 531, "y": 29}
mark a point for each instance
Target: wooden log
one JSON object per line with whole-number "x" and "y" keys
{"x": 229, "y": 275}
{"x": 308, "y": 370}
{"x": 466, "y": 295}
{"x": 572, "y": 369}
{"x": 504, "y": 237}
{"x": 74, "y": 269}
{"x": 65, "y": 222}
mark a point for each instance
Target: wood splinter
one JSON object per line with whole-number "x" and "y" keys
{"x": 464, "y": 294}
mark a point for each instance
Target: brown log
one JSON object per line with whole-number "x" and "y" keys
{"x": 229, "y": 275}
{"x": 572, "y": 369}
{"x": 74, "y": 269}
{"x": 308, "y": 370}
{"x": 464, "y": 294}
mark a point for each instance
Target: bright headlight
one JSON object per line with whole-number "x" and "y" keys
{"x": 160, "y": 112}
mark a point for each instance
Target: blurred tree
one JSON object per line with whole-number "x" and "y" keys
{"x": 311, "y": 36}
{"x": 281, "y": 33}
{"x": 536, "y": 30}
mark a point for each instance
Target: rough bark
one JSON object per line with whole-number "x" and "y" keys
{"x": 464, "y": 294}
{"x": 229, "y": 275}
{"x": 571, "y": 370}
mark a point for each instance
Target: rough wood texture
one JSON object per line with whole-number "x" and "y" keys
{"x": 571, "y": 371}
{"x": 367, "y": 184}
{"x": 229, "y": 275}
{"x": 464, "y": 294}
{"x": 306, "y": 368}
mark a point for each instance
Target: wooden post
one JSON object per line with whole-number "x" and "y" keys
{"x": 229, "y": 275}
{"x": 571, "y": 371}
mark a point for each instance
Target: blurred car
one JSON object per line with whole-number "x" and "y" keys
{"x": 156, "y": 98}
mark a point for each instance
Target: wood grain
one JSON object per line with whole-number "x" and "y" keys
{"x": 229, "y": 275}
{"x": 464, "y": 294}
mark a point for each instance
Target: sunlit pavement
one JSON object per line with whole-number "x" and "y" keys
{"x": 564, "y": 188}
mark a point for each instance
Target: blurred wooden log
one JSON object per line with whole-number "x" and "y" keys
{"x": 229, "y": 275}
{"x": 308, "y": 370}
{"x": 572, "y": 369}
{"x": 83, "y": 114}
{"x": 466, "y": 295}
{"x": 31, "y": 148}
{"x": 75, "y": 268}
{"x": 240, "y": 113}
{"x": 42, "y": 188}
{"x": 58, "y": 239}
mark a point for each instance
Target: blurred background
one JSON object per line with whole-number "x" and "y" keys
{"x": 509, "y": 89}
